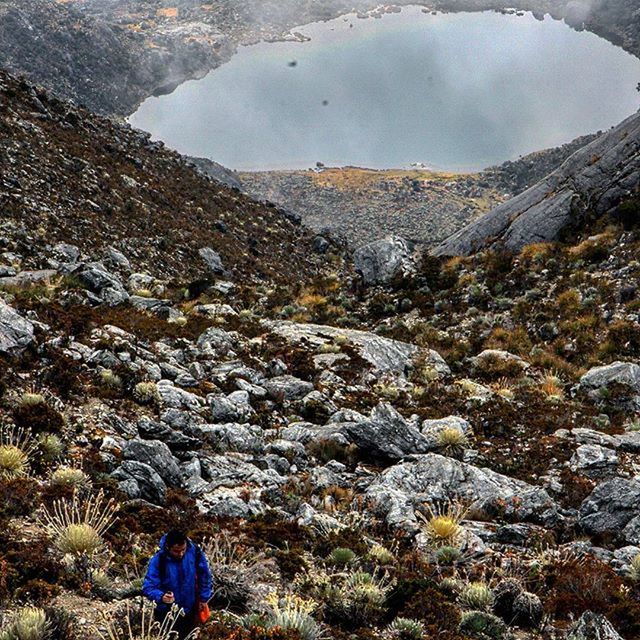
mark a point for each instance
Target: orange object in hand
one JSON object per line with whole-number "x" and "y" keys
{"x": 203, "y": 612}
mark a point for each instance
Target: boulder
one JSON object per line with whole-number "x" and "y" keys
{"x": 386, "y": 437}
{"x": 106, "y": 286}
{"x": 214, "y": 341}
{"x": 139, "y": 480}
{"x": 287, "y": 387}
{"x": 594, "y": 461}
{"x": 16, "y": 332}
{"x": 383, "y": 261}
{"x": 237, "y": 471}
{"x": 492, "y": 358}
{"x": 622, "y": 374}
{"x": 162, "y": 308}
{"x": 212, "y": 259}
{"x": 595, "y": 179}
{"x": 175, "y": 440}
{"x": 431, "y": 429}
{"x": 158, "y": 456}
{"x": 384, "y": 355}
{"x": 431, "y": 477}
{"x": 611, "y": 506}
{"x": 231, "y": 503}
{"x": 593, "y": 626}
{"x": 174, "y": 398}
{"x": 235, "y": 407}
{"x": 233, "y": 437}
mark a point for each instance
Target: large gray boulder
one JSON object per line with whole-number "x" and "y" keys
{"x": 622, "y": 374}
{"x": 386, "y": 437}
{"x": 593, "y": 626}
{"x": 382, "y": 261}
{"x": 158, "y": 456}
{"x": 212, "y": 259}
{"x": 173, "y": 398}
{"x": 611, "y": 507}
{"x": 431, "y": 477}
{"x": 139, "y": 480}
{"x": 383, "y": 354}
{"x": 105, "y": 286}
{"x": 16, "y": 332}
{"x": 230, "y": 472}
{"x": 595, "y": 178}
{"x": 236, "y": 407}
{"x": 594, "y": 461}
{"x": 244, "y": 438}
{"x": 287, "y": 388}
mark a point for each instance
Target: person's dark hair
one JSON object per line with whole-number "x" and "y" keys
{"x": 175, "y": 536}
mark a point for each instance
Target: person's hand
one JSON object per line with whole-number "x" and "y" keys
{"x": 168, "y": 598}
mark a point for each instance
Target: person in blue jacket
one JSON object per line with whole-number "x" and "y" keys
{"x": 178, "y": 574}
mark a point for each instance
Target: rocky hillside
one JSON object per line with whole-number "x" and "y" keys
{"x": 69, "y": 176}
{"x": 417, "y": 448}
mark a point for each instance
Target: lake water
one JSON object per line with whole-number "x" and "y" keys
{"x": 454, "y": 91}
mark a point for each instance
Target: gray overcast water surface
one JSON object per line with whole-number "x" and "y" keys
{"x": 453, "y": 91}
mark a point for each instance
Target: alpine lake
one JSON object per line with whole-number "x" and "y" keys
{"x": 450, "y": 91}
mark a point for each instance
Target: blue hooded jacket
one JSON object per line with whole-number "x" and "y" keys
{"x": 178, "y": 576}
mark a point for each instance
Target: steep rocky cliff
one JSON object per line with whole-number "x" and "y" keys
{"x": 593, "y": 181}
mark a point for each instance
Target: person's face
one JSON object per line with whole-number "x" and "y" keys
{"x": 177, "y": 551}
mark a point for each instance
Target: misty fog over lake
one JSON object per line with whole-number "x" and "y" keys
{"x": 453, "y": 91}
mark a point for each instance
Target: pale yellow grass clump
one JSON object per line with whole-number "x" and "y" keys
{"x": 442, "y": 525}
{"x": 452, "y": 441}
{"x": 77, "y": 526}
{"x": 16, "y": 447}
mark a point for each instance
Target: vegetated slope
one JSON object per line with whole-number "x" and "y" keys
{"x": 594, "y": 180}
{"x": 67, "y": 175}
